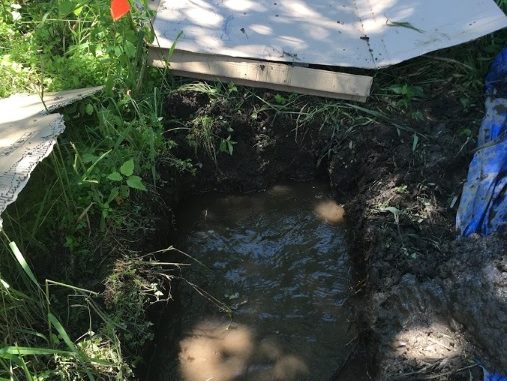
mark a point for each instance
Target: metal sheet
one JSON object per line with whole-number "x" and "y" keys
{"x": 355, "y": 33}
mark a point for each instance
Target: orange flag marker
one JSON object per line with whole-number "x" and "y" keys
{"x": 119, "y": 8}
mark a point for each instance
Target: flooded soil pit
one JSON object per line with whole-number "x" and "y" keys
{"x": 279, "y": 260}
{"x": 424, "y": 294}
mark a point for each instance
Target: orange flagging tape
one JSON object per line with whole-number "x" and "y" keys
{"x": 119, "y": 8}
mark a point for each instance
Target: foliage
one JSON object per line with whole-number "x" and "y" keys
{"x": 135, "y": 282}
{"x": 114, "y": 142}
{"x": 97, "y": 185}
{"x": 71, "y": 43}
{"x": 33, "y": 331}
{"x": 407, "y": 93}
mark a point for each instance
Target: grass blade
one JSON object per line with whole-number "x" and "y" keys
{"x": 22, "y": 363}
{"x": 63, "y": 334}
{"x": 8, "y": 351}
{"x": 24, "y": 265}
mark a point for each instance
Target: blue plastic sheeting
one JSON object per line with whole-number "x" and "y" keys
{"x": 493, "y": 377}
{"x": 483, "y": 205}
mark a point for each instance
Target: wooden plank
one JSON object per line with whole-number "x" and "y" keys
{"x": 275, "y": 76}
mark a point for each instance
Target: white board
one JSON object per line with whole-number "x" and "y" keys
{"x": 352, "y": 33}
{"x": 27, "y": 135}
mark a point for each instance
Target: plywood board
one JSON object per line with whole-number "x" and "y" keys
{"x": 352, "y": 33}
{"x": 280, "y": 77}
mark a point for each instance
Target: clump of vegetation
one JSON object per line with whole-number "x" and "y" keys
{"x": 35, "y": 344}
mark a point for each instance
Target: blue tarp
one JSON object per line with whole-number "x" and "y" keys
{"x": 493, "y": 377}
{"x": 483, "y": 205}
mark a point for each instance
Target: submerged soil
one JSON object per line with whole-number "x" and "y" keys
{"x": 433, "y": 306}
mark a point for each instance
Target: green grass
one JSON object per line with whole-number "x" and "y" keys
{"x": 34, "y": 336}
{"x": 99, "y": 183}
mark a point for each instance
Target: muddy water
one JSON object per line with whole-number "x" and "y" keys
{"x": 279, "y": 260}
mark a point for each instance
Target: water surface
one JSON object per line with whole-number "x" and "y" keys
{"x": 279, "y": 260}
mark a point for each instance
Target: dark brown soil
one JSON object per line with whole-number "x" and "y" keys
{"x": 433, "y": 305}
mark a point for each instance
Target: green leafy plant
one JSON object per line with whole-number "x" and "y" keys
{"x": 227, "y": 145}
{"x": 406, "y": 93}
{"x": 280, "y": 99}
{"x": 126, "y": 173}
{"x": 205, "y": 134}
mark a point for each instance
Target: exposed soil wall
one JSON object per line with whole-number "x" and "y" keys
{"x": 434, "y": 305}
